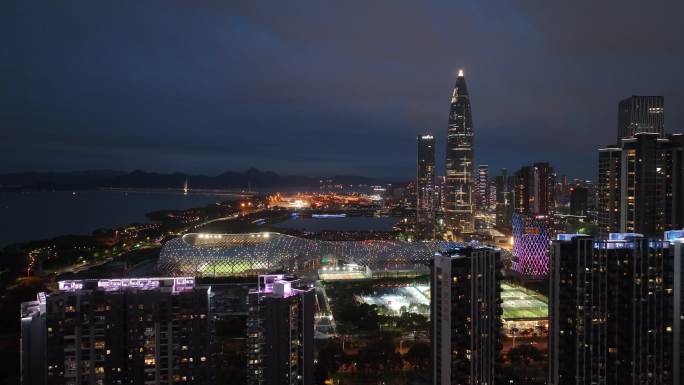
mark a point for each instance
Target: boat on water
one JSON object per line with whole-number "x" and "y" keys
{"x": 327, "y": 216}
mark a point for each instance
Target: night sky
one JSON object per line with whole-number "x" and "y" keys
{"x": 324, "y": 88}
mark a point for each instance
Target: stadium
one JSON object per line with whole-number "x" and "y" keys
{"x": 222, "y": 255}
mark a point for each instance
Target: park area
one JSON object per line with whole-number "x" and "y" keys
{"x": 382, "y": 332}
{"x": 383, "y": 325}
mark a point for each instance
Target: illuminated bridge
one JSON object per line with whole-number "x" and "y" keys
{"x": 257, "y": 253}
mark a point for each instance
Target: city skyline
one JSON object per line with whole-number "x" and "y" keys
{"x": 106, "y": 99}
{"x": 232, "y": 192}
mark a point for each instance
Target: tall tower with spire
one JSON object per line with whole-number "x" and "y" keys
{"x": 459, "y": 161}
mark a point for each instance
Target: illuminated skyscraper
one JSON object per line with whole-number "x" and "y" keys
{"x": 482, "y": 194}
{"x": 425, "y": 186}
{"x": 491, "y": 200}
{"x": 640, "y": 114}
{"x": 459, "y": 161}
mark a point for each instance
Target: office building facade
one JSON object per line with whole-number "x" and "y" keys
{"x": 280, "y": 329}
{"x": 465, "y": 313}
{"x": 120, "y": 331}
{"x": 482, "y": 188}
{"x": 534, "y": 189}
{"x": 505, "y": 189}
{"x": 426, "y": 194}
{"x": 491, "y": 199}
{"x": 579, "y": 200}
{"x": 641, "y": 114}
{"x": 459, "y": 161}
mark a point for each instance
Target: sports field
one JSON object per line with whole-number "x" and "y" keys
{"x": 401, "y": 297}
{"x": 521, "y": 303}
{"x": 219, "y": 268}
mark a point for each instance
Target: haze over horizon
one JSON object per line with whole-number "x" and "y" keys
{"x": 324, "y": 88}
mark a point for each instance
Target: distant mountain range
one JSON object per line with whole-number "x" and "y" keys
{"x": 253, "y": 178}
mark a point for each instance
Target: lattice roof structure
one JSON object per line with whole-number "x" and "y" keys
{"x": 251, "y": 254}
{"x": 531, "y": 245}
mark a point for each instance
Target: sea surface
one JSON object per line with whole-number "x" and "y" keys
{"x": 26, "y": 216}
{"x": 339, "y": 224}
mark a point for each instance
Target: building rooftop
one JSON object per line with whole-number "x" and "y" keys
{"x": 175, "y": 285}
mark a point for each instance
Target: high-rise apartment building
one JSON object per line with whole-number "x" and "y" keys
{"x": 482, "y": 187}
{"x": 118, "y": 331}
{"x": 534, "y": 189}
{"x": 640, "y": 114}
{"x": 280, "y": 328}
{"x": 466, "y": 315}
{"x": 609, "y": 185}
{"x": 34, "y": 341}
{"x": 459, "y": 161}
{"x": 675, "y": 345}
{"x": 426, "y": 195}
{"x": 641, "y": 185}
{"x": 651, "y": 184}
{"x": 505, "y": 188}
{"x": 614, "y": 311}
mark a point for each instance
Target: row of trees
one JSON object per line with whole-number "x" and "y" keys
{"x": 378, "y": 359}
{"x": 524, "y": 365}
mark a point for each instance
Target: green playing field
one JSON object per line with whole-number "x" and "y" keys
{"x": 521, "y": 303}
{"x": 223, "y": 269}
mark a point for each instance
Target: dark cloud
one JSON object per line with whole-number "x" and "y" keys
{"x": 323, "y": 87}
{"x": 626, "y": 29}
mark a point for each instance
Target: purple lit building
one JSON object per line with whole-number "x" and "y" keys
{"x": 118, "y": 331}
{"x": 531, "y": 241}
{"x": 280, "y": 328}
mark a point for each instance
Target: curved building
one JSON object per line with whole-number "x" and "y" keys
{"x": 459, "y": 161}
{"x": 258, "y": 253}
